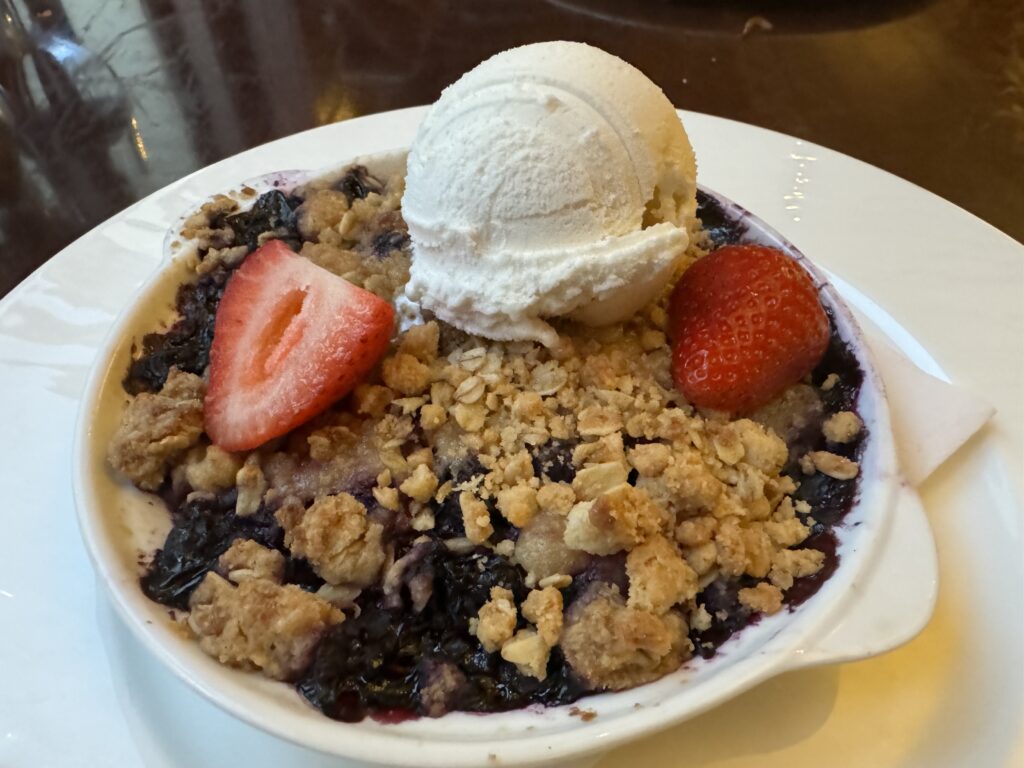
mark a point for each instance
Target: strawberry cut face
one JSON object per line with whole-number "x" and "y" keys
{"x": 290, "y": 339}
{"x": 746, "y": 323}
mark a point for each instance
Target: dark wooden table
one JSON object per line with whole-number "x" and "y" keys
{"x": 103, "y": 102}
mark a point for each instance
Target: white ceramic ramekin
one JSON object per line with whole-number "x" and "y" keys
{"x": 880, "y": 596}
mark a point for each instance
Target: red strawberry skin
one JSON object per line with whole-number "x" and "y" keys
{"x": 745, "y": 323}
{"x": 289, "y": 339}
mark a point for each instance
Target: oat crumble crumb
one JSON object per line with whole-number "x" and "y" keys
{"x": 659, "y": 577}
{"x": 556, "y": 580}
{"x": 157, "y": 429}
{"x": 543, "y": 608}
{"x": 211, "y": 468}
{"x": 334, "y": 534}
{"x": 764, "y": 598}
{"x": 259, "y": 624}
{"x": 246, "y": 559}
{"x": 556, "y": 497}
{"x": 694, "y": 531}
{"x": 496, "y": 620}
{"x": 650, "y": 459}
{"x": 700, "y": 619}
{"x": 618, "y": 519}
{"x": 529, "y": 652}
{"x": 327, "y": 442}
{"x": 692, "y": 484}
{"x": 518, "y": 505}
{"x": 505, "y": 548}
{"x": 372, "y": 399}
{"x": 476, "y": 518}
{"x": 596, "y": 479}
{"x": 790, "y": 564}
{"x": 387, "y": 497}
{"x": 404, "y": 373}
{"x": 433, "y": 416}
{"x": 842, "y": 427}
{"x": 252, "y": 484}
{"x": 831, "y": 464}
{"x": 613, "y": 646}
{"x": 421, "y": 342}
{"x": 421, "y": 484}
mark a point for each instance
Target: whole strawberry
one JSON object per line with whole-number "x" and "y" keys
{"x": 745, "y": 323}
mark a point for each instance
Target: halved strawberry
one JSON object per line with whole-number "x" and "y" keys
{"x": 290, "y": 338}
{"x": 746, "y": 323}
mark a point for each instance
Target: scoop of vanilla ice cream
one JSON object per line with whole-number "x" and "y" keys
{"x": 553, "y": 179}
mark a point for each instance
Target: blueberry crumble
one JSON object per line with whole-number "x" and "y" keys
{"x": 477, "y": 525}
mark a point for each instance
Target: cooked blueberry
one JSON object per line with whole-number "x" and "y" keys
{"x": 720, "y": 598}
{"x": 722, "y": 228}
{"x": 357, "y": 183}
{"x": 386, "y": 242}
{"x": 429, "y": 663}
{"x": 186, "y": 344}
{"x": 273, "y": 211}
{"x": 553, "y": 460}
{"x": 203, "y": 530}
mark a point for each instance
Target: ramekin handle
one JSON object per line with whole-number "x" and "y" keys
{"x": 896, "y": 599}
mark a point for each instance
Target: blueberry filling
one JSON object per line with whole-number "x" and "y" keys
{"x": 357, "y": 183}
{"x": 202, "y": 531}
{"x": 720, "y": 227}
{"x": 428, "y": 662}
{"x": 186, "y": 344}
{"x": 274, "y": 212}
{"x": 553, "y": 460}
{"x": 388, "y": 656}
{"x": 388, "y": 241}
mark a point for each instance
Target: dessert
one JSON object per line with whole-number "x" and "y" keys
{"x": 478, "y": 524}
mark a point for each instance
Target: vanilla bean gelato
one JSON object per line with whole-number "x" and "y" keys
{"x": 553, "y": 179}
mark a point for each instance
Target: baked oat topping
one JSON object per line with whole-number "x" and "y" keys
{"x": 335, "y": 536}
{"x": 614, "y": 646}
{"x": 158, "y": 428}
{"x": 842, "y": 427}
{"x": 259, "y": 624}
{"x": 605, "y": 528}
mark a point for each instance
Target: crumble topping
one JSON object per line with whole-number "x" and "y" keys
{"x": 206, "y": 227}
{"x": 831, "y": 464}
{"x": 544, "y": 553}
{"x": 252, "y": 484}
{"x": 529, "y": 652}
{"x": 496, "y": 621}
{"x": 259, "y": 624}
{"x": 518, "y": 504}
{"x": 335, "y": 536}
{"x": 618, "y": 519}
{"x": 247, "y": 559}
{"x": 209, "y": 468}
{"x": 543, "y": 607}
{"x": 659, "y": 577}
{"x": 476, "y": 518}
{"x": 765, "y": 598}
{"x": 842, "y": 427}
{"x": 614, "y": 646}
{"x": 579, "y": 465}
{"x": 156, "y": 429}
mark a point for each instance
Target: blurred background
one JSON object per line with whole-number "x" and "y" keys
{"x": 102, "y": 103}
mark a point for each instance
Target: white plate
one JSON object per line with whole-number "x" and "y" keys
{"x": 77, "y": 691}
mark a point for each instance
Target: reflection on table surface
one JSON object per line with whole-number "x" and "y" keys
{"x": 102, "y": 103}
